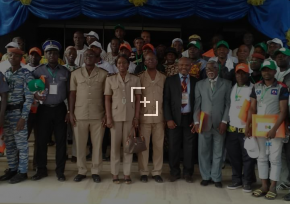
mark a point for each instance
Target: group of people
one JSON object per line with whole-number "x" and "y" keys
{"x": 193, "y": 98}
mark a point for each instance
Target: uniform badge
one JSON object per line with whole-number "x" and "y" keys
{"x": 274, "y": 91}
{"x": 258, "y": 92}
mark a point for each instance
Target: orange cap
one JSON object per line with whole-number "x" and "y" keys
{"x": 244, "y": 67}
{"x": 125, "y": 45}
{"x": 35, "y": 49}
{"x": 15, "y": 50}
{"x": 148, "y": 45}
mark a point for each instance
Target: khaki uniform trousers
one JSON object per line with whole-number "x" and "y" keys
{"x": 81, "y": 131}
{"x": 157, "y": 131}
{"x": 119, "y": 134}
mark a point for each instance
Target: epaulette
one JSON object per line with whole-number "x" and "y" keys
{"x": 111, "y": 74}
{"x": 75, "y": 69}
{"x": 103, "y": 69}
{"x": 140, "y": 73}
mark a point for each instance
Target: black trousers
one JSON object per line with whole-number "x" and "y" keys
{"x": 178, "y": 136}
{"x": 243, "y": 166}
{"x": 51, "y": 120}
{"x": 32, "y": 124}
{"x": 286, "y": 147}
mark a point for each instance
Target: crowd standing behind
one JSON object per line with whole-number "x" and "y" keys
{"x": 199, "y": 102}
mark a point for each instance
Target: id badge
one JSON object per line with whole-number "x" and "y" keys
{"x": 53, "y": 88}
{"x": 184, "y": 98}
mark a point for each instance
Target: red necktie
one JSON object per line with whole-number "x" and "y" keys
{"x": 184, "y": 88}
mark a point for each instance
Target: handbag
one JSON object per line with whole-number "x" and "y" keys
{"x": 134, "y": 144}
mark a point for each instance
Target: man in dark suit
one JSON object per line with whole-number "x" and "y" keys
{"x": 178, "y": 112}
{"x": 212, "y": 97}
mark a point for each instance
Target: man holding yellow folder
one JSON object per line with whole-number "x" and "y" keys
{"x": 243, "y": 167}
{"x": 268, "y": 97}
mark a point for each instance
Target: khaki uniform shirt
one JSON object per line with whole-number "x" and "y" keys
{"x": 122, "y": 107}
{"x": 89, "y": 93}
{"x": 154, "y": 93}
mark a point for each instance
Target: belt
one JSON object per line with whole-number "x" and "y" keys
{"x": 51, "y": 105}
{"x": 14, "y": 106}
{"x": 185, "y": 113}
{"x": 234, "y": 129}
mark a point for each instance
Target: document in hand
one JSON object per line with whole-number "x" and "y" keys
{"x": 201, "y": 121}
{"x": 243, "y": 115}
{"x": 262, "y": 124}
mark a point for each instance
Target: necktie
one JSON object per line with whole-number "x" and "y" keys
{"x": 184, "y": 88}
{"x": 212, "y": 85}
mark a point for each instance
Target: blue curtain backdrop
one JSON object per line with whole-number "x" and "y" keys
{"x": 272, "y": 18}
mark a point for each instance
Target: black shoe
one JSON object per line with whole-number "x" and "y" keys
{"x": 247, "y": 188}
{"x": 173, "y": 178}
{"x": 144, "y": 178}
{"x": 234, "y": 186}
{"x": 218, "y": 184}
{"x": 79, "y": 177}
{"x": 96, "y": 178}
{"x": 188, "y": 179}
{"x": 38, "y": 176}
{"x": 73, "y": 159}
{"x": 204, "y": 182}
{"x": 18, "y": 178}
{"x": 61, "y": 178}
{"x": 158, "y": 178}
{"x": 8, "y": 175}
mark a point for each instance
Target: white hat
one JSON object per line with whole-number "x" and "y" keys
{"x": 97, "y": 44}
{"x": 12, "y": 44}
{"x": 177, "y": 39}
{"x": 275, "y": 40}
{"x": 92, "y": 33}
{"x": 252, "y": 147}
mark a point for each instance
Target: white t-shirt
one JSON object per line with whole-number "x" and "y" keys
{"x": 131, "y": 68}
{"x": 29, "y": 67}
{"x": 238, "y": 96}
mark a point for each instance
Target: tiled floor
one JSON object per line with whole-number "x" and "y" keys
{"x": 51, "y": 191}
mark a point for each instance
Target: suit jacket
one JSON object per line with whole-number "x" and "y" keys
{"x": 215, "y": 104}
{"x": 172, "y": 98}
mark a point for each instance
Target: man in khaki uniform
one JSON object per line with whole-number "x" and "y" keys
{"x": 122, "y": 114}
{"x": 153, "y": 81}
{"x": 87, "y": 113}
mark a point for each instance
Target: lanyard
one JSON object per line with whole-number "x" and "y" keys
{"x": 254, "y": 80}
{"x": 137, "y": 60}
{"x": 52, "y": 74}
{"x": 263, "y": 94}
{"x": 237, "y": 92}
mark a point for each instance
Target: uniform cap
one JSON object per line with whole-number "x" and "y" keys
{"x": 194, "y": 36}
{"x": 252, "y": 147}
{"x": 12, "y": 44}
{"x": 35, "y": 49}
{"x": 92, "y": 33}
{"x": 36, "y": 85}
{"x": 177, "y": 39}
{"x": 284, "y": 51}
{"x": 148, "y": 45}
{"x": 51, "y": 45}
{"x": 222, "y": 42}
{"x": 194, "y": 43}
{"x": 15, "y": 50}
{"x": 125, "y": 45}
{"x": 96, "y": 44}
{"x": 119, "y": 26}
{"x": 275, "y": 40}
{"x": 270, "y": 64}
{"x": 263, "y": 46}
{"x": 242, "y": 66}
